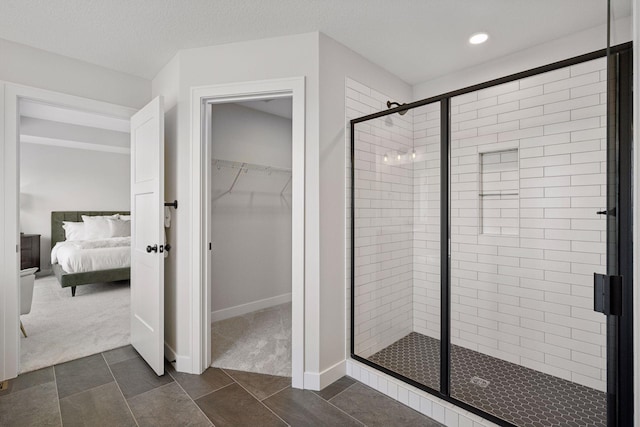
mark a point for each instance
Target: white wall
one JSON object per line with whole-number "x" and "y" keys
{"x": 38, "y": 68}
{"x": 59, "y": 179}
{"x": 73, "y": 133}
{"x": 251, "y": 226}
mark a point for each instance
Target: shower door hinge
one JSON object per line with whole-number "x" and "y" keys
{"x": 607, "y": 294}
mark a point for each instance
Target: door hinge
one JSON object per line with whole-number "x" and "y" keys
{"x": 611, "y": 212}
{"x": 607, "y": 294}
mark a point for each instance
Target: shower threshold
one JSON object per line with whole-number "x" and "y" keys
{"x": 514, "y": 393}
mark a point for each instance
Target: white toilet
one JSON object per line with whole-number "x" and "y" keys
{"x": 27, "y": 279}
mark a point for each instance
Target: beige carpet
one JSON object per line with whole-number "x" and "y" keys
{"x": 61, "y": 328}
{"x": 256, "y": 342}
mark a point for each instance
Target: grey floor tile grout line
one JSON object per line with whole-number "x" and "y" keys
{"x": 207, "y": 394}
{"x": 83, "y": 391}
{"x": 260, "y": 402}
{"x": 55, "y": 384}
{"x": 333, "y": 397}
{"x": 253, "y": 395}
{"x": 191, "y": 398}
{"x": 273, "y": 394}
{"x": 340, "y": 409}
{"x": 212, "y": 391}
{"x": 120, "y": 390}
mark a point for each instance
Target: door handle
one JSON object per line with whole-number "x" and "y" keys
{"x": 607, "y": 294}
{"x": 153, "y": 248}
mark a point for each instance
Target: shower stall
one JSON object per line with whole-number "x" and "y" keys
{"x": 478, "y": 220}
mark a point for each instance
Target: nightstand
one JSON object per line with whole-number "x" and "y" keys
{"x": 29, "y": 251}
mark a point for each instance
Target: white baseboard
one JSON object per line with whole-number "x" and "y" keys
{"x": 239, "y": 310}
{"x": 184, "y": 364}
{"x": 318, "y": 381}
{"x": 181, "y": 363}
{"x": 169, "y": 353}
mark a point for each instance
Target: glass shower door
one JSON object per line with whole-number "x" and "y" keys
{"x": 529, "y": 177}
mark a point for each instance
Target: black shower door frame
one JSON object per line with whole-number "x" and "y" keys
{"x": 620, "y": 399}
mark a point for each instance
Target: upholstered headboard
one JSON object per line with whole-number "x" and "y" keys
{"x": 57, "y": 232}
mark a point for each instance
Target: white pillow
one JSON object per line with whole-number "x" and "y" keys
{"x": 125, "y": 217}
{"x": 73, "y": 230}
{"x": 96, "y": 227}
{"x": 119, "y": 227}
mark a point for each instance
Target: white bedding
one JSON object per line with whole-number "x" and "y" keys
{"x": 81, "y": 256}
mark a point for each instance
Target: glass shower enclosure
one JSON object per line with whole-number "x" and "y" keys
{"x": 478, "y": 220}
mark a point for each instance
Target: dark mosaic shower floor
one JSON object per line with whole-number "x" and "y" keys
{"x": 516, "y": 394}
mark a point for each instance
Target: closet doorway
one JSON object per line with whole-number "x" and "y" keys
{"x": 251, "y": 237}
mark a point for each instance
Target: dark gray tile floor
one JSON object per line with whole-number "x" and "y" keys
{"x": 522, "y": 396}
{"x": 117, "y": 388}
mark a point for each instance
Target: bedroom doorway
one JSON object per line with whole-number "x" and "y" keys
{"x": 74, "y": 218}
{"x": 251, "y": 238}
{"x": 146, "y": 302}
{"x": 10, "y": 261}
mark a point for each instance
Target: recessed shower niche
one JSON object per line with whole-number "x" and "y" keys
{"x": 499, "y": 189}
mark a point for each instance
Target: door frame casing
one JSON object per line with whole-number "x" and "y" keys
{"x": 204, "y": 96}
{"x": 10, "y": 96}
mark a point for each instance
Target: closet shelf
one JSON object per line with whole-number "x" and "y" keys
{"x": 241, "y": 167}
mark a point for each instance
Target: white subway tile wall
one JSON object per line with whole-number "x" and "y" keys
{"x": 384, "y": 230}
{"x": 426, "y": 228}
{"x": 522, "y": 273}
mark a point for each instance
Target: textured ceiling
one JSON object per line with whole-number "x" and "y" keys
{"x": 414, "y": 39}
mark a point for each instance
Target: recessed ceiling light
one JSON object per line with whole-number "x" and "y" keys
{"x": 478, "y": 38}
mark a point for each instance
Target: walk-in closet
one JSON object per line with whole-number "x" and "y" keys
{"x": 251, "y": 236}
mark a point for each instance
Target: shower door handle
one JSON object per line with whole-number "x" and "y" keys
{"x": 607, "y": 294}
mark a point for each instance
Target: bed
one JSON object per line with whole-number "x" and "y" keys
{"x": 74, "y": 279}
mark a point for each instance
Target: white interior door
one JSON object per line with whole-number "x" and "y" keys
{"x": 147, "y": 233}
